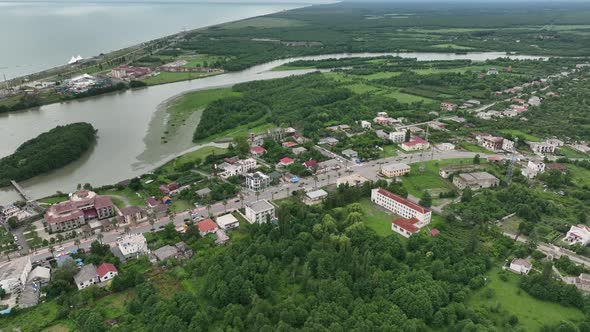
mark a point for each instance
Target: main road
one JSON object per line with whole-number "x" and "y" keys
{"x": 368, "y": 170}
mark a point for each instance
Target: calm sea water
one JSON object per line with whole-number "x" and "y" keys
{"x": 40, "y": 35}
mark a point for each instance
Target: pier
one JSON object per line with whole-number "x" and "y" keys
{"x": 21, "y": 191}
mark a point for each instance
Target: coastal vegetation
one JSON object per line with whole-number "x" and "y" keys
{"x": 49, "y": 151}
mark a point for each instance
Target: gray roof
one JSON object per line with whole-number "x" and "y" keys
{"x": 261, "y": 206}
{"x": 165, "y": 252}
{"x": 39, "y": 273}
{"x": 87, "y": 272}
{"x": 130, "y": 210}
{"x": 14, "y": 268}
{"x": 395, "y": 167}
{"x": 203, "y": 192}
{"x": 521, "y": 262}
{"x": 349, "y": 151}
{"x": 317, "y": 194}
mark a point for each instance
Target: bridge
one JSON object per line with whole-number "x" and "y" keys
{"x": 21, "y": 191}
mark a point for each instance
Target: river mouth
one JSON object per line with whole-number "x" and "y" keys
{"x": 131, "y": 124}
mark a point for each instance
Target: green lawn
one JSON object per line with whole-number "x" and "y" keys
{"x": 388, "y": 151}
{"x": 200, "y": 59}
{"x": 179, "y": 205}
{"x": 531, "y": 313}
{"x": 128, "y": 193}
{"x": 361, "y": 88}
{"x": 473, "y": 147}
{"x": 288, "y": 67}
{"x": 113, "y": 305}
{"x": 181, "y": 108}
{"x": 452, "y": 46}
{"x": 416, "y": 182}
{"x": 568, "y": 152}
{"x": 460, "y": 70}
{"x": 33, "y": 319}
{"x": 381, "y": 75}
{"x": 53, "y": 199}
{"x": 516, "y": 132}
{"x": 406, "y": 97}
{"x": 193, "y": 156}
{"x": 376, "y": 218}
{"x": 165, "y": 77}
{"x": 580, "y": 176}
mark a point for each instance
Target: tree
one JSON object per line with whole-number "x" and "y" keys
{"x": 426, "y": 200}
{"x": 408, "y": 136}
{"x": 224, "y": 205}
{"x": 241, "y": 145}
{"x": 127, "y": 229}
{"x": 51, "y": 250}
{"x": 467, "y": 195}
{"x": 99, "y": 237}
{"x": 476, "y": 159}
{"x": 152, "y": 221}
{"x": 77, "y": 243}
{"x": 13, "y": 222}
{"x": 115, "y": 223}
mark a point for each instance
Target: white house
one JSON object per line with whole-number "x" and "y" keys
{"x": 106, "y": 271}
{"x": 260, "y": 211}
{"x": 405, "y": 227}
{"x": 401, "y": 206}
{"x": 13, "y": 274}
{"x": 133, "y": 245}
{"x": 257, "y": 181}
{"x": 415, "y": 144}
{"x": 397, "y": 136}
{"x": 534, "y": 167}
{"x": 578, "y": 234}
{"x": 394, "y": 170}
{"x": 520, "y": 265}
{"x": 227, "y": 221}
{"x": 87, "y": 276}
{"x": 365, "y": 124}
{"x": 508, "y": 145}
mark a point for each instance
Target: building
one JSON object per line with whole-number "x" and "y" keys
{"x": 445, "y": 172}
{"x": 328, "y": 141}
{"x": 492, "y": 71}
{"x": 286, "y": 161}
{"x": 203, "y": 192}
{"x": 237, "y": 168}
{"x": 207, "y": 226}
{"x": 228, "y": 221}
{"x": 534, "y": 167}
{"x": 87, "y": 276}
{"x": 445, "y": 146}
{"x": 397, "y": 136}
{"x": 365, "y": 124}
{"x": 447, "y": 106}
{"x": 541, "y": 147}
{"x": 401, "y": 206}
{"x": 299, "y": 150}
{"x": 475, "y": 181}
{"x": 311, "y": 165}
{"x": 492, "y": 143}
{"x": 416, "y": 143}
{"x": 14, "y": 274}
{"x": 555, "y": 142}
{"x": 534, "y": 101}
{"x": 257, "y": 181}
{"x": 125, "y": 72}
{"x": 133, "y": 245}
{"x": 106, "y": 271}
{"x": 316, "y": 195}
{"x": 165, "y": 252}
{"x": 508, "y": 145}
{"x": 81, "y": 206}
{"x": 352, "y": 180}
{"x": 257, "y": 151}
{"x": 578, "y": 234}
{"x": 521, "y": 266}
{"x": 289, "y": 144}
{"x": 131, "y": 214}
{"x": 582, "y": 282}
{"x": 349, "y": 153}
{"x": 394, "y": 170}
{"x": 405, "y": 227}
{"x": 221, "y": 237}
{"x": 260, "y": 212}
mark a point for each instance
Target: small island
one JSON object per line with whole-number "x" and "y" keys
{"x": 49, "y": 151}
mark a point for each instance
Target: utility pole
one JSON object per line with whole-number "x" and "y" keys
{"x": 511, "y": 164}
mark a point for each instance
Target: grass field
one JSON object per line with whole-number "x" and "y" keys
{"x": 531, "y": 313}
{"x": 580, "y": 176}
{"x": 388, "y": 151}
{"x": 452, "y": 47}
{"x": 416, "y": 182}
{"x": 129, "y": 194}
{"x": 473, "y": 147}
{"x": 460, "y": 70}
{"x": 264, "y": 22}
{"x": 193, "y": 156}
{"x": 516, "y": 132}
{"x": 405, "y": 97}
{"x": 182, "y": 107}
{"x": 113, "y": 305}
{"x": 201, "y": 59}
{"x": 568, "y": 152}
{"x": 165, "y": 77}
{"x": 36, "y": 319}
{"x": 381, "y": 75}
{"x": 361, "y": 88}
{"x": 376, "y": 218}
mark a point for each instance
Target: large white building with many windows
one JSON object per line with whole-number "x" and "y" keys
{"x": 260, "y": 212}
{"x": 401, "y": 206}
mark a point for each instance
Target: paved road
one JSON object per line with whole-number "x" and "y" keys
{"x": 368, "y": 170}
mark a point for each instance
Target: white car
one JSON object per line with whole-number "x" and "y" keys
{"x": 60, "y": 249}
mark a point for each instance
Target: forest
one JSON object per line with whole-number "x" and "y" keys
{"x": 48, "y": 151}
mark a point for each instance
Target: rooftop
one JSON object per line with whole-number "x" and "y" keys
{"x": 407, "y": 224}
{"x": 165, "y": 252}
{"x": 261, "y": 206}
{"x": 395, "y": 167}
{"x": 317, "y": 194}
{"x": 207, "y": 225}
{"x": 403, "y": 201}
{"x": 87, "y": 272}
{"x": 105, "y": 268}
{"x": 14, "y": 268}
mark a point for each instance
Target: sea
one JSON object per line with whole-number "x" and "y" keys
{"x": 37, "y": 35}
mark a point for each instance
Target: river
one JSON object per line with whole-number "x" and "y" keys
{"x": 130, "y": 123}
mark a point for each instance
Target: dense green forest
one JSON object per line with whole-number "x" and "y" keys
{"x": 48, "y": 151}
{"x": 543, "y": 28}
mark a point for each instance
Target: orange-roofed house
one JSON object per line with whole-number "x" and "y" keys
{"x": 207, "y": 226}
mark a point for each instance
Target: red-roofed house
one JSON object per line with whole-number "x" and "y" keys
{"x": 310, "y": 164}
{"x": 286, "y": 161}
{"x": 405, "y": 227}
{"x": 289, "y": 144}
{"x": 207, "y": 226}
{"x": 81, "y": 206}
{"x": 401, "y": 206}
{"x": 106, "y": 271}
{"x": 257, "y": 151}
{"x": 434, "y": 232}
{"x": 447, "y": 106}
{"x": 152, "y": 202}
{"x": 414, "y": 144}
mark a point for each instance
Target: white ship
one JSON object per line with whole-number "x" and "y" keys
{"x": 75, "y": 59}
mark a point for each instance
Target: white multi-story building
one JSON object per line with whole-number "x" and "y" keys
{"x": 365, "y": 124}
{"x": 394, "y": 170}
{"x": 508, "y": 145}
{"x": 415, "y": 144}
{"x": 14, "y": 274}
{"x": 241, "y": 167}
{"x": 542, "y": 147}
{"x": 397, "y": 136}
{"x": 533, "y": 168}
{"x": 260, "y": 211}
{"x": 578, "y": 234}
{"x": 257, "y": 181}
{"x": 521, "y": 266}
{"x": 401, "y": 206}
{"x": 133, "y": 245}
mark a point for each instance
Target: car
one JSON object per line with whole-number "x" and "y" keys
{"x": 61, "y": 254}
{"x": 60, "y": 249}
{"x": 237, "y": 201}
{"x": 161, "y": 226}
